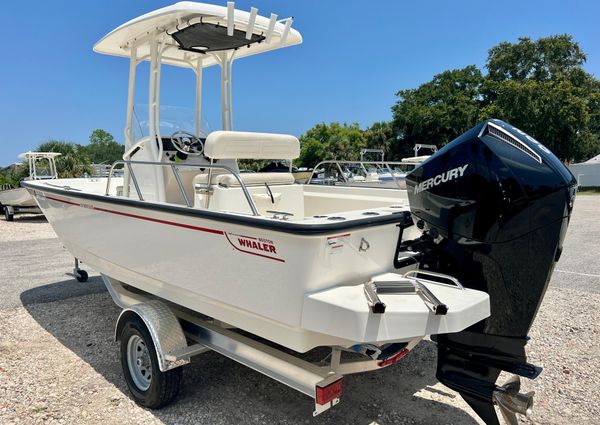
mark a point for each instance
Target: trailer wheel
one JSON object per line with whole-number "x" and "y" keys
{"x": 81, "y": 276}
{"x": 8, "y": 215}
{"x": 148, "y": 385}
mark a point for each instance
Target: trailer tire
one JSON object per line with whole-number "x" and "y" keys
{"x": 81, "y": 276}
{"x": 8, "y": 215}
{"x": 160, "y": 388}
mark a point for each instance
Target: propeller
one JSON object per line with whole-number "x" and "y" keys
{"x": 511, "y": 401}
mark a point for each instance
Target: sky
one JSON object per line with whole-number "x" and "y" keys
{"x": 355, "y": 56}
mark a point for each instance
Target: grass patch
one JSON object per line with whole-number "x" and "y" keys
{"x": 592, "y": 190}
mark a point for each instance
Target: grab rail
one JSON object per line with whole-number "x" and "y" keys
{"x": 175, "y": 169}
{"x": 455, "y": 281}
{"x": 135, "y": 147}
{"x": 385, "y": 164}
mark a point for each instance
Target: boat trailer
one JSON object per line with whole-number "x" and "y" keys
{"x": 172, "y": 335}
{"x": 178, "y": 334}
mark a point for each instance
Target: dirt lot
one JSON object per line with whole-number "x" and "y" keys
{"x": 59, "y": 364}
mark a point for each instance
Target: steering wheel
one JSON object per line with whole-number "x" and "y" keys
{"x": 187, "y": 143}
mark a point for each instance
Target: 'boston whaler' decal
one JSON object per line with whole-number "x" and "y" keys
{"x": 257, "y": 245}
{"x": 261, "y": 247}
{"x": 441, "y": 178}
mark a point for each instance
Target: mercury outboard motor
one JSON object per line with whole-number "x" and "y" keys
{"x": 494, "y": 205}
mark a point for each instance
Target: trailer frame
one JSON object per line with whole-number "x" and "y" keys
{"x": 172, "y": 327}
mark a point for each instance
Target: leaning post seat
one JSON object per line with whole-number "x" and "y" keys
{"x": 246, "y": 145}
{"x": 225, "y": 187}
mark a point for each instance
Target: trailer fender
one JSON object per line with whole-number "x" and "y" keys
{"x": 164, "y": 328}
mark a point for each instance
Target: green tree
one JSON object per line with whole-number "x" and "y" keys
{"x": 544, "y": 59}
{"x": 103, "y": 149}
{"x": 380, "y": 135}
{"x": 437, "y": 111}
{"x": 536, "y": 85}
{"x": 11, "y": 175}
{"x": 73, "y": 162}
{"x": 331, "y": 141}
{"x": 541, "y": 87}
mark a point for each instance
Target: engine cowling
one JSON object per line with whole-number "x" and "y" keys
{"x": 494, "y": 205}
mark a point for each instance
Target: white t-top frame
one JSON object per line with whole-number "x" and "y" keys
{"x": 149, "y": 38}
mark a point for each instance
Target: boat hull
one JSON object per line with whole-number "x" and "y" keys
{"x": 257, "y": 279}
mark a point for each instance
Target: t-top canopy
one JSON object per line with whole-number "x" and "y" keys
{"x": 36, "y": 155}
{"x": 191, "y": 31}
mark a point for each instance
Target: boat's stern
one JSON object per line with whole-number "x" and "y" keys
{"x": 394, "y": 307}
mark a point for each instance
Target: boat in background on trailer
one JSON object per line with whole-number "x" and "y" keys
{"x": 209, "y": 258}
{"x": 42, "y": 166}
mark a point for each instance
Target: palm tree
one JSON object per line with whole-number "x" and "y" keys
{"x": 73, "y": 162}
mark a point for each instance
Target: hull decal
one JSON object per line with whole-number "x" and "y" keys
{"x": 339, "y": 236}
{"x": 253, "y": 253}
{"x": 170, "y": 223}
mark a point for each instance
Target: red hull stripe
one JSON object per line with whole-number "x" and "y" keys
{"x": 63, "y": 201}
{"x": 141, "y": 217}
{"x": 170, "y": 223}
{"x": 156, "y": 220}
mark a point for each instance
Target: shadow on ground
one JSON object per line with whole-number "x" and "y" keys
{"x": 62, "y": 291}
{"x": 218, "y": 390}
{"x": 30, "y": 218}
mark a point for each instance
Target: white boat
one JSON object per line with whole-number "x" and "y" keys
{"x": 365, "y": 173}
{"x": 301, "y": 266}
{"x": 42, "y": 166}
{"x": 374, "y": 174}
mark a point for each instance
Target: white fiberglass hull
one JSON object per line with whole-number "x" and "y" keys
{"x": 269, "y": 282}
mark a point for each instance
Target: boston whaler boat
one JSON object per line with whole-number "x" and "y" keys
{"x": 464, "y": 254}
{"x": 42, "y": 166}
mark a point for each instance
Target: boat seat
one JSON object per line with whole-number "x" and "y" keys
{"x": 172, "y": 192}
{"x": 227, "y": 195}
{"x": 244, "y": 145}
{"x": 269, "y": 191}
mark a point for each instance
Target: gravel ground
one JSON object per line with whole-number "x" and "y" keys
{"x": 59, "y": 364}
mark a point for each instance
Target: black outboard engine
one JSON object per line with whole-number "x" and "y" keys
{"x": 494, "y": 205}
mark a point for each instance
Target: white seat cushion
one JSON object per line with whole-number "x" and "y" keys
{"x": 246, "y": 145}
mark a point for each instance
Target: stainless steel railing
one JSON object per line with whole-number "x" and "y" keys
{"x": 175, "y": 170}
